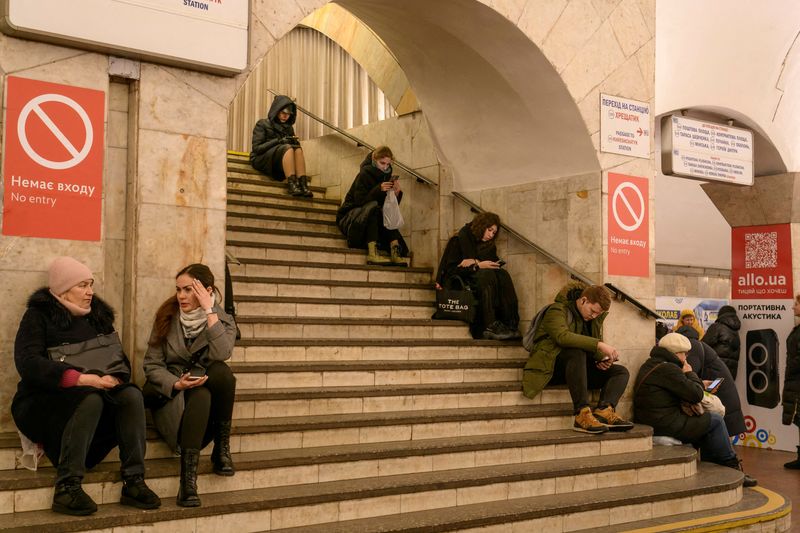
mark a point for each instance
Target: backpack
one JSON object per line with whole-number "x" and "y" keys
{"x": 530, "y": 335}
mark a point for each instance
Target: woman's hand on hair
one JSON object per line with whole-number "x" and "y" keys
{"x": 203, "y": 294}
{"x": 184, "y": 382}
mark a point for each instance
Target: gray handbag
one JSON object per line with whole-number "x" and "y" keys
{"x": 102, "y": 354}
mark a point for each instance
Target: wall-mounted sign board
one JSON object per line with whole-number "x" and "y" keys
{"x": 207, "y": 35}
{"x": 704, "y": 150}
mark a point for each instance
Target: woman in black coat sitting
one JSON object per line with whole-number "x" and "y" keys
{"x": 276, "y": 150}
{"x": 78, "y": 414}
{"x": 666, "y": 380}
{"x": 472, "y": 255}
{"x": 360, "y": 218}
{"x": 791, "y": 381}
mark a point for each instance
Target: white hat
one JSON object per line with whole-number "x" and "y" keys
{"x": 675, "y": 343}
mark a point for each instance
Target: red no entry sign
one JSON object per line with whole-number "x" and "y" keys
{"x": 53, "y": 162}
{"x": 628, "y": 226}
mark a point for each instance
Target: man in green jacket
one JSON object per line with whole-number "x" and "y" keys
{"x": 568, "y": 348}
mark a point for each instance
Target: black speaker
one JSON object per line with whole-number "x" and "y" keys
{"x": 763, "y": 388}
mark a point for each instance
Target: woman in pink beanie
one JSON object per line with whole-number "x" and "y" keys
{"x": 78, "y": 414}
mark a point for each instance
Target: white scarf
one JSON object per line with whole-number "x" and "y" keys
{"x": 73, "y": 309}
{"x": 194, "y": 321}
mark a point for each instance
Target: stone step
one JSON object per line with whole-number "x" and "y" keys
{"x": 283, "y": 199}
{"x": 247, "y": 285}
{"x": 575, "y": 511}
{"x": 274, "y": 268}
{"x": 265, "y": 208}
{"x": 275, "y": 375}
{"x": 300, "y": 401}
{"x": 350, "y": 328}
{"x": 248, "y": 249}
{"x": 278, "y": 236}
{"x": 274, "y": 433}
{"x": 240, "y": 182}
{"x": 242, "y": 218}
{"x": 399, "y": 503}
{"x": 475, "y": 483}
{"x": 331, "y": 307}
{"x": 270, "y": 349}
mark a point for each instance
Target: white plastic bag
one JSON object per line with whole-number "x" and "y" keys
{"x": 392, "y": 219}
{"x": 712, "y": 404}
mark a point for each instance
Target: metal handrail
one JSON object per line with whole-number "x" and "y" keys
{"x": 619, "y": 294}
{"x": 359, "y": 142}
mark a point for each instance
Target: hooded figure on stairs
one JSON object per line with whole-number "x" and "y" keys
{"x": 276, "y": 150}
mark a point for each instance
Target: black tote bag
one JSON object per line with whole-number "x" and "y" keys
{"x": 456, "y": 301}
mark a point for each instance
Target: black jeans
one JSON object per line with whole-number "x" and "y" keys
{"x": 498, "y": 299}
{"x": 577, "y": 369}
{"x": 125, "y": 407}
{"x": 206, "y": 406}
{"x": 376, "y": 232}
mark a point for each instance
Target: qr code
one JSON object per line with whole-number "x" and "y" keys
{"x": 761, "y": 250}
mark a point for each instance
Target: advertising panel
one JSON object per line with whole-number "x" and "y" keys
{"x": 628, "y": 226}
{"x": 53, "y": 160}
{"x": 705, "y": 309}
{"x": 762, "y": 293}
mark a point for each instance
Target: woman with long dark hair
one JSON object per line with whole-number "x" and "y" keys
{"x": 189, "y": 386}
{"x": 472, "y": 255}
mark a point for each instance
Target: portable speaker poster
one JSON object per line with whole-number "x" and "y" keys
{"x": 53, "y": 160}
{"x": 762, "y": 294}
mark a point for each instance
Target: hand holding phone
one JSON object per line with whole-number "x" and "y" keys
{"x": 501, "y": 262}
{"x": 714, "y": 385}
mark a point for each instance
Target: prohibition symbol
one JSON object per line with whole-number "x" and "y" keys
{"x": 34, "y": 106}
{"x": 636, "y": 213}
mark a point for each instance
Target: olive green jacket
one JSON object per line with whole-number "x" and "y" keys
{"x": 560, "y": 327}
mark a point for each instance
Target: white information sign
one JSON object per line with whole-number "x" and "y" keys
{"x": 209, "y": 35}
{"x": 700, "y": 149}
{"x": 624, "y": 126}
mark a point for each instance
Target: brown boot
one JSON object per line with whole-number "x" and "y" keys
{"x": 398, "y": 259}
{"x": 373, "y": 258}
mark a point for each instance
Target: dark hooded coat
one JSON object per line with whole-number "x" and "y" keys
{"x": 271, "y": 139}
{"x": 365, "y": 195}
{"x": 791, "y": 381}
{"x": 660, "y": 387}
{"x": 709, "y": 366}
{"x": 723, "y": 336}
{"x": 41, "y": 408}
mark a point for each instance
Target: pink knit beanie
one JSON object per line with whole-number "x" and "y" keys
{"x": 66, "y": 272}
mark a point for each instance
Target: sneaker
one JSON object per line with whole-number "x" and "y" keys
{"x": 136, "y": 493}
{"x": 609, "y": 418}
{"x": 585, "y": 422}
{"x": 496, "y": 331}
{"x": 69, "y": 498}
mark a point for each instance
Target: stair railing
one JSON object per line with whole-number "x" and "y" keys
{"x": 360, "y": 142}
{"x": 619, "y": 294}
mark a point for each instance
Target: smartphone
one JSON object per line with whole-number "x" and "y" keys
{"x": 196, "y": 372}
{"x": 501, "y": 262}
{"x": 714, "y": 384}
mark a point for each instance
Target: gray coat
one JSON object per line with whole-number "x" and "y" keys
{"x": 164, "y": 364}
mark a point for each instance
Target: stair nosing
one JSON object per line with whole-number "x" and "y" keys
{"x": 300, "y": 247}
{"x": 333, "y": 366}
{"x": 337, "y": 321}
{"x": 335, "y": 282}
{"x": 372, "y": 391}
{"x": 311, "y": 342}
{"x": 334, "y": 266}
{"x": 262, "y": 183}
{"x": 284, "y": 207}
{"x": 279, "y": 218}
{"x": 262, "y": 194}
{"x": 332, "y": 301}
{"x": 284, "y": 232}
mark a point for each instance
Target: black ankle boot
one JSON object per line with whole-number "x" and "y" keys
{"x": 294, "y": 186}
{"x": 136, "y": 493}
{"x": 221, "y": 455}
{"x": 302, "y": 183}
{"x": 736, "y": 464}
{"x": 69, "y": 498}
{"x": 187, "y": 492}
{"x": 794, "y": 465}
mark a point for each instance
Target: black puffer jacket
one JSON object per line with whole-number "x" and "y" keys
{"x": 708, "y": 365}
{"x": 791, "y": 381}
{"x": 723, "y": 336}
{"x": 41, "y": 408}
{"x": 660, "y": 387}
{"x": 271, "y": 138}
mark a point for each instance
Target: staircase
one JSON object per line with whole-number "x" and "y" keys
{"x": 357, "y": 413}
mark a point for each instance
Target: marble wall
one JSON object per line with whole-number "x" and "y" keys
{"x": 694, "y": 282}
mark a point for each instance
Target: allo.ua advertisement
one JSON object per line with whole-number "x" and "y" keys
{"x": 762, "y": 294}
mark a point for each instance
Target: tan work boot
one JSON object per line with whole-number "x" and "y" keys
{"x": 373, "y": 258}
{"x": 398, "y": 259}
{"x": 609, "y": 418}
{"x": 585, "y": 422}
